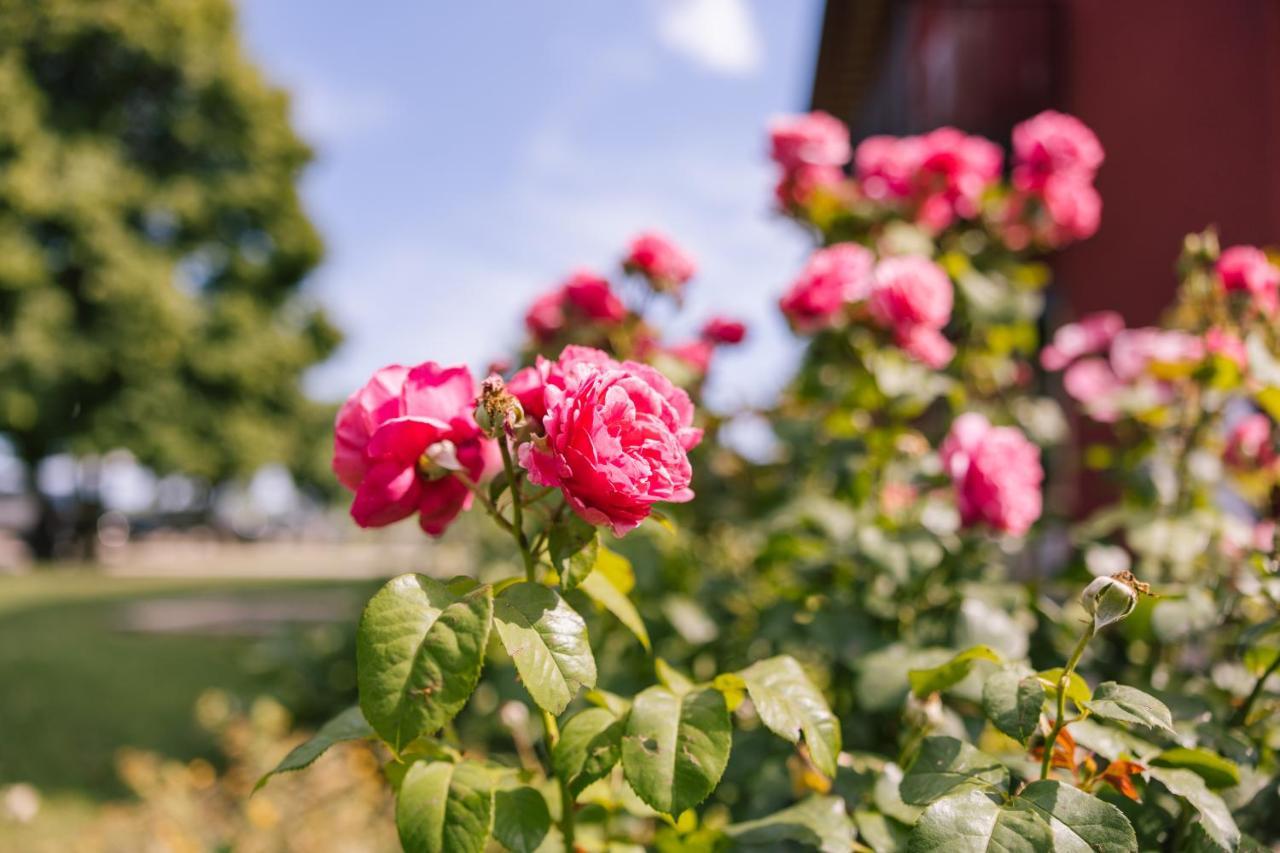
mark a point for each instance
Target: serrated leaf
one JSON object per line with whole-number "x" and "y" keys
{"x": 818, "y": 822}
{"x": 547, "y": 641}
{"x": 520, "y": 819}
{"x": 1080, "y": 822}
{"x": 419, "y": 652}
{"x": 573, "y": 546}
{"x": 792, "y": 707}
{"x": 976, "y": 822}
{"x": 444, "y": 808}
{"x": 600, "y": 586}
{"x": 590, "y": 745}
{"x": 1216, "y": 771}
{"x": 1215, "y": 817}
{"x": 675, "y": 747}
{"x": 1124, "y": 704}
{"x": 1077, "y": 688}
{"x": 938, "y": 678}
{"x": 944, "y": 765}
{"x": 1013, "y": 701}
{"x": 349, "y": 725}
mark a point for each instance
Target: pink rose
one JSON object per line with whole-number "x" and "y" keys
{"x": 830, "y": 279}
{"x": 1073, "y": 209}
{"x": 723, "y": 330}
{"x": 1245, "y": 269}
{"x": 658, "y": 259}
{"x": 1092, "y": 383}
{"x": 927, "y": 346}
{"x": 616, "y": 442}
{"x": 1249, "y": 443}
{"x": 954, "y": 171}
{"x": 886, "y": 166}
{"x": 815, "y": 139}
{"x": 593, "y": 298}
{"x": 1091, "y": 334}
{"x": 1054, "y": 144}
{"x": 910, "y": 294}
{"x": 529, "y": 385}
{"x": 1223, "y": 343}
{"x": 384, "y": 431}
{"x": 545, "y": 317}
{"x": 996, "y": 473}
{"x": 695, "y": 354}
{"x": 797, "y": 184}
{"x": 1133, "y": 351}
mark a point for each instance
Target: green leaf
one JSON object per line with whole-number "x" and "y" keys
{"x": 1012, "y": 701}
{"x": 547, "y": 640}
{"x": 1215, "y": 817}
{"x": 1077, "y": 688}
{"x": 573, "y": 547}
{"x": 880, "y": 832}
{"x": 520, "y": 819}
{"x": 976, "y": 822}
{"x": 445, "y": 808}
{"x": 419, "y": 651}
{"x": 1080, "y": 822}
{"x": 792, "y": 707}
{"x": 945, "y": 765}
{"x": 670, "y": 677}
{"x": 939, "y": 678}
{"x": 1216, "y": 771}
{"x": 675, "y": 747}
{"x": 590, "y": 744}
{"x": 817, "y": 822}
{"x": 1124, "y": 704}
{"x": 349, "y": 725}
{"x": 603, "y": 586}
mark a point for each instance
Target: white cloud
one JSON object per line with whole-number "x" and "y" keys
{"x": 719, "y": 34}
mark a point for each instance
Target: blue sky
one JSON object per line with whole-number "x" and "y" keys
{"x": 469, "y": 154}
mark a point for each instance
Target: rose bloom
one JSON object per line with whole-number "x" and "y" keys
{"x": 1249, "y": 443}
{"x": 659, "y": 260}
{"x": 1223, "y": 343}
{"x": 593, "y": 298}
{"x": 954, "y": 170}
{"x": 1133, "y": 351}
{"x": 1093, "y": 384}
{"x": 1091, "y": 334}
{"x": 1245, "y": 269}
{"x": 529, "y": 385}
{"x": 1054, "y": 144}
{"x": 545, "y": 317}
{"x": 815, "y": 139}
{"x": 695, "y": 354}
{"x": 996, "y": 473}
{"x": 723, "y": 330}
{"x": 797, "y": 184}
{"x": 910, "y": 291}
{"x": 927, "y": 346}
{"x": 616, "y": 441}
{"x": 1072, "y": 208}
{"x": 384, "y": 430}
{"x": 832, "y": 278}
{"x": 886, "y": 166}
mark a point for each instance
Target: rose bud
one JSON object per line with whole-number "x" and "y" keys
{"x": 1109, "y": 599}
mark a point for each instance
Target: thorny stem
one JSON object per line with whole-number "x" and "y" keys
{"x": 1060, "y": 721}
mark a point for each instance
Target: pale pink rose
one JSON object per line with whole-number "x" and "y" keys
{"x": 927, "y": 346}
{"x": 797, "y": 184}
{"x": 593, "y": 297}
{"x": 1245, "y": 269}
{"x": 1223, "y": 343}
{"x": 996, "y": 473}
{"x": 1073, "y": 210}
{"x": 385, "y": 429}
{"x": 1250, "y": 444}
{"x": 724, "y": 331}
{"x": 832, "y": 278}
{"x": 1091, "y": 334}
{"x": 1133, "y": 351}
{"x": 545, "y": 317}
{"x": 886, "y": 166}
{"x": 1264, "y": 536}
{"x": 616, "y": 442}
{"x": 655, "y": 257}
{"x": 530, "y": 383}
{"x": 1093, "y": 384}
{"x": 815, "y": 139}
{"x": 695, "y": 354}
{"x": 910, "y": 291}
{"x": 1053, "y": 144}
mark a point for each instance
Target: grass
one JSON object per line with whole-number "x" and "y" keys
{"x": 76, "y": 684}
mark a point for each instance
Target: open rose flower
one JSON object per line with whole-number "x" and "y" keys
{"x": 815, "y": 139}
{"x": 1054, "y": 144}
{"x": 954, "y": 171}
{"x": 1246, "y": 269}
{"x": 1222, "y": 343}
{"x": 1091, "y": 334}
{"x": 912, "y": 297}
{"x": 397, "y": 439}
{"x": 832, "y": 278}
{"x": 1249, "y": 444}
{"x": 1094, "y": 385}
{"x": 616, "y": 441}
{"x": 592, "y": 297}
{"x": 996, "y": 473}
{"x": 663, "y": 263}
{"x": 797, "y": 185}
{"x": 545, "y": 317}
{"x": 529, "y": 385}
{"x": 1134, "y": 352}
{"x": 723, "y": 331}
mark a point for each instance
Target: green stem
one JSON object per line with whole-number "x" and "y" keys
{"x": 566, "y": 797}
{"x": 481, "y": 496}
{"x": 1241, "y": 716}
{"x": 1060, "y": 721}
{"x": 517, "y": 511}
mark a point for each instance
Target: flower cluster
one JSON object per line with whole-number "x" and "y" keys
{"x": 996, "y": 473}
{"x": 811, "y": 151}
{"x": 584, "y": 297}
{"x": 1056, "y": 158}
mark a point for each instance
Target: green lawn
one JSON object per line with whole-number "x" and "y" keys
{"x": 78, "y": 679}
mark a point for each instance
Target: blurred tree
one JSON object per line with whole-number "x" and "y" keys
{"x": 152, "y": 242}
